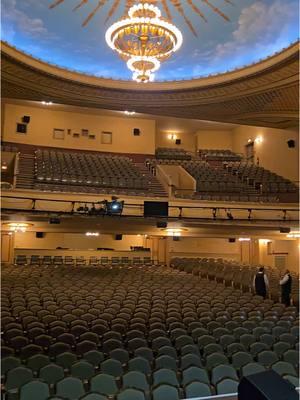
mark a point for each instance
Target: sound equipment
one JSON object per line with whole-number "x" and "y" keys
{"x": 161, "y": 224}
{"x": 231, "y": 240}
{"x": 39, "y": 235}
{"x": 136, "y": 132}
{"x": 54, "y": 220}
{"x": 284, "y": 230}
{"x": 118, "y": 236}
{"x": 178, "y": 141}
{"x": 156, "y": 208}
{"x": 267, "y": 385}
{"x": 291, "y": 143}
{"x": 21, "y": 128}
{"x": 26, "y": 119}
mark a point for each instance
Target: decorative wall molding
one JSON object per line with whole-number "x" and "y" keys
{"x": 264, "y": 94}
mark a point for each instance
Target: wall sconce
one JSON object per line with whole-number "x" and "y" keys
{"x": 258, "y": 140}
{"x": 172, "y": 136}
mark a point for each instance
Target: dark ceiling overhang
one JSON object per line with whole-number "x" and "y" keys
{"x": 264, "y": 94}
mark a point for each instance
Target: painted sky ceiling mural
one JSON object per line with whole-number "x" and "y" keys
{"x": 218, "y": 35}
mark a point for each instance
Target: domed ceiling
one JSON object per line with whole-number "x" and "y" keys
{"x": 218, "y": 35}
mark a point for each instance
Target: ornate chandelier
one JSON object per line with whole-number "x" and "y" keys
{"x": 144, "y": 40}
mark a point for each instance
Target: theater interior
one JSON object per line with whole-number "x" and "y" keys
{"x": 145, "y": 179}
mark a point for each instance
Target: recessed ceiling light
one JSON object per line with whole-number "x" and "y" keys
{"x": 18, "y": 226}
{"x": 293, "y": 235}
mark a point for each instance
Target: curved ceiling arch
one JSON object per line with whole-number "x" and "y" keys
{"x": 265, "y": 94}
{"x": 218, "y": 35}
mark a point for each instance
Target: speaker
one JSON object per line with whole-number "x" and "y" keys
{"x": 136, "y": 132}
{"x": 291, "y": 143}
{"x": 284, "y": 230}
{"x": 231, "y": 240}
{"x": 21, "y": 128}
{"x": 178, "y": 141}
{"x": 39, "y": 235}
{"x": 156, "y": 208}
{"x": 54, "y": 220}
{"x": 161, "y": 224}
{"x": 266, "y": 385}
{"x": 118, "y": 236}
{"x": 26, "y": 119}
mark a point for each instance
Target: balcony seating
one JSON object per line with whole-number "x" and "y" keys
{"x": 218, "y": 155}
{"x": 172, "y": 154}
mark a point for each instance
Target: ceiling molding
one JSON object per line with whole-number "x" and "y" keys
{"x": 263, "y": 94}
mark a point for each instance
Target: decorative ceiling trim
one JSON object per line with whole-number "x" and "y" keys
{"x": 241, "y": 73}
{"x": 244, "y": 97}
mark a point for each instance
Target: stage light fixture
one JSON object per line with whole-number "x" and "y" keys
{"x": 114, "y": 207}
{"x": 214, "y": 213}
{"x": 249, "y": 213}
{"x": 229, "y": 215}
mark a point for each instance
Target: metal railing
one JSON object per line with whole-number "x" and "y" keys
{"x": 230, "y": 213}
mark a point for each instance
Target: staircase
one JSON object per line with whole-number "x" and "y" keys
{"x": 154, "y": 186}
{"x": 25, "y": 172}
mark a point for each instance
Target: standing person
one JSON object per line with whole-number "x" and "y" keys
{"x": 286, "y": 288}
{"x": 261, "y": 283}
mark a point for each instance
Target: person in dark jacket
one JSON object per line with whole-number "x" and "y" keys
{"x": 261, "y": 283}
{"x": 286, "y": 288}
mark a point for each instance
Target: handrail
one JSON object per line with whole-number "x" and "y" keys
{"x": 231, "y": 214}
{"x": 231, "y": 207}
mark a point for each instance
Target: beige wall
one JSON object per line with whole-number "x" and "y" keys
{"x": 28, "y": 240}
{"x": 178, "y": 177}
{"x": 204, "y": 247}
{"x": 273, "y": 152}
{"x": 188, "y": 140}
{"x": 288, "y": 248}
{"x": 44, "y": 120}
{"x": 221, "y": 139}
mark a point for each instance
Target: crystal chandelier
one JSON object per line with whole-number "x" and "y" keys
{"x": 144, "y": 39}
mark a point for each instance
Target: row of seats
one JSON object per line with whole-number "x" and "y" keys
{"x": 235, "y": 177}
{"x": 188, "y": 336}
{"x": 210, "y": 180}
{"x": 51, "y": 187}
{"x": 228, "y": 197}
{"x": 87, "y": 169}
{"x": 172, "y": 153}
{"x": 233, "y": 273}
{"x": 218, "y": 155}
{"x": 260, "y": 177}
{"x": 9, "y": 148}
{"x": 22, "y": 259}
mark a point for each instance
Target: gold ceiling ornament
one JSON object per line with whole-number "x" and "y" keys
{"x": 144, "y": 40}
{"x": 179, "y": 5}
